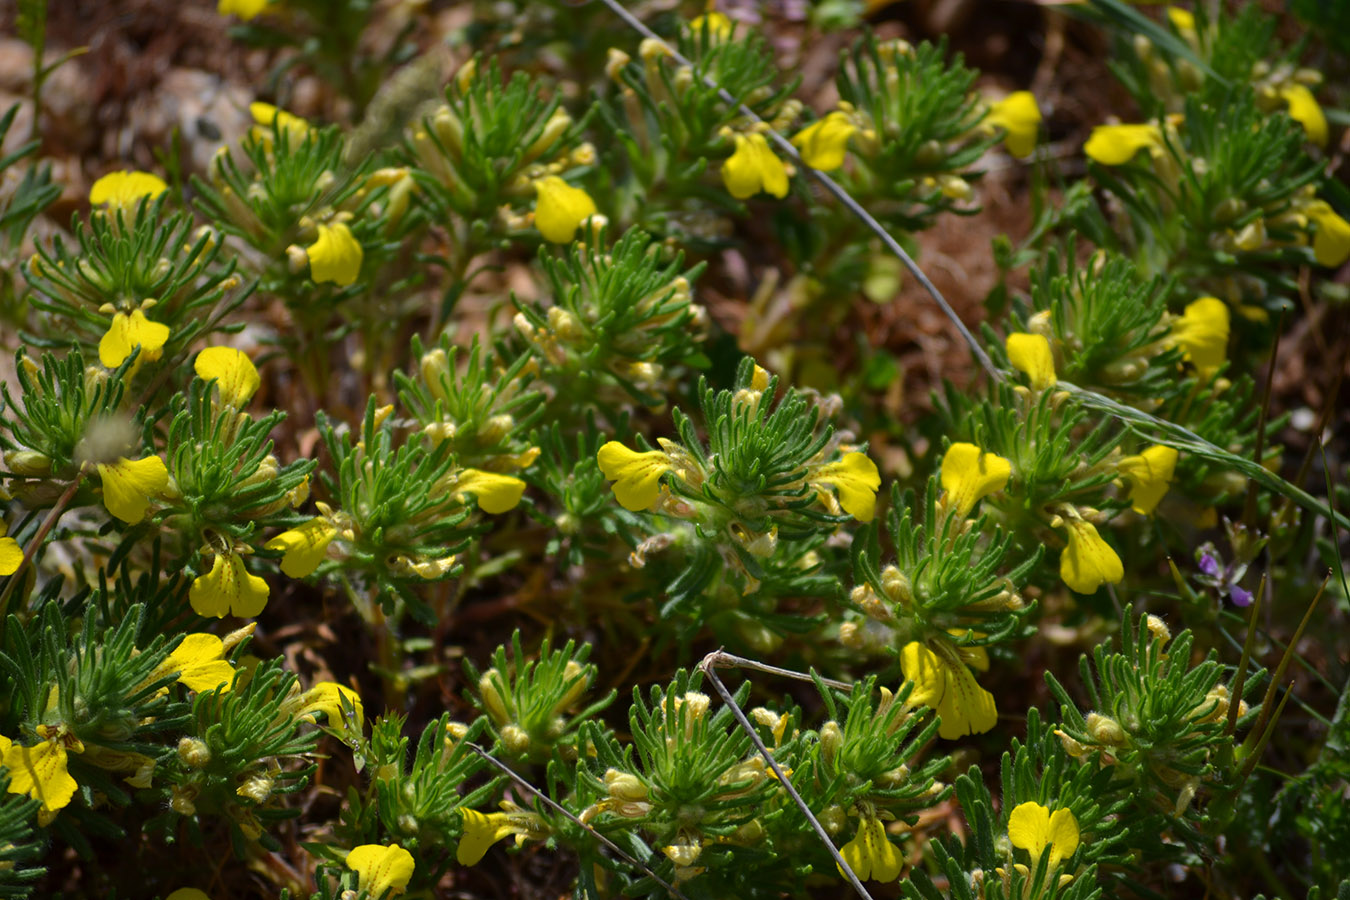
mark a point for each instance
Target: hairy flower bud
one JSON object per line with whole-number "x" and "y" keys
{"x": 194, "y": 753}
{"x": 1105, "y": 730}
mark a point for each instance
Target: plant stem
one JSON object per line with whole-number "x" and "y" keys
{"x": 31, "y": 550}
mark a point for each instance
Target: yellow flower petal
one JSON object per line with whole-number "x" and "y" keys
{"x": 1331, "y": 243}
{"x": 326, "y": 697}
{"x": 1030, "y": 353}
{"x": 1306, "y": 111}
{"x": 40, "y": 772}
{"x": 235, "y": 375}
{"x": 11, "y": 556}
{"x": 1183, "y": 20}
{"x": 128, "y": 331}
{"x": 1029, "y": 828}
{"x": 1032, "y": 828}
{"x": 1115, "y": 145}
{"x": 128, "y": 485}
{"x": 1150, "y": 474}
{"x": 123, "y": 190}
{"x": 481, "y": 831}
{"x": 228, "y": 589}
{"x": 947, "y": 686}
{"x": 1019, "y": 116}
{"x": 381, "y": 868}
{"x": 636, "y": 476}
{"x": 1088, "y": 562}
{"x": 304, "y": 546}
{"x": 244, "y": 9}
{"x": 969, "y": 475}
{"x": 1202, "y": 334}
{"x": 824, "y": 143}
{"x": 190, "y": 893}
{"x": 754, "y": 168}
{"x": 857, "y": 479}
{"x": 718, "y": 25}
{"x": 267, "y": 115}
{"x": 494, "y": 492}
{"x": 336, "y": 256}
{"x": 871, "y": 855}
{"x": 560, "y": 209}
{"x": 1063, "y": 835}
{"x": 200, "y": 663}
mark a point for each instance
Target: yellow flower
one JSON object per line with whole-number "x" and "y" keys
{"x": 754, "y": 168}
{"x": 560, "y": 209}
{"x": 244, "y": 9}
{"x": 482, "y": 830}
{"x": 1305, "y": 110}
{"x": 1115, "y": 145}
{"x": 1088, "y": 562}
{"x": 1033, "y": 828}
{"x": 39, "y": 771}
{"x": 336, "y": 256}
{"x": 127, "y": 332}
{"x": 494, "y": 492}
{"x": 326, "y": 697}
{"x": 267, "y": 115}
{"x": 969, "y": 475}
{"x": 823, "y": 143}
{"x": 200, "y": 663}
{"x": 1020, "y": 118}
{"x": 381, "y": 869}
{"x": 1202, "y": 334}
{"x": 304, "y": 546}
{"x": 636, "y": 476}
{"x": 228, "y": 589}
{"x": 1150, "y": 474}
{"x": 1331, "y": 243}
{"x": 190, "y": 893}
{"x": 718, "y": 25}
{"x": 943, "y": 683}
{"x": 123, "y": 190}
{"x": 1183, "y": 20}
{"x": 871, "y": 855}
{"x": 128, "y": 485}
{"x": 11, "y": 554}
{"x": 856, "y": 479}
{"x": 1030, "y": 353}
{"x": 235, "y": 375}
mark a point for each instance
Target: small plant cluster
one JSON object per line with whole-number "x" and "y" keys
{"x": 292, "y": 444}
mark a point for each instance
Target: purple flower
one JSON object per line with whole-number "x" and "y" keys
{"x": 1209, "y": 565}
{"x": 1239, "y": 595}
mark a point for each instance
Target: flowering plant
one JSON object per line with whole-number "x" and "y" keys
{"x": 516, "y": 439}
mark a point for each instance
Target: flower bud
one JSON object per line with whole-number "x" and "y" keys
{"x": 833, "y": 818}
{"x": 1105, "y": 730}
{"x": 257, "y": 789}
{"x": 296, "y": 259}
{"x": 624, "y": 786}
{"x": 556, "y": 126}
{"x": 492, "y": 699}
{"x": 615, "y": 63}
{"x": 897, "y": 586}
{"x": 1071, "y": 746}
{"x": 929, "y": 154}
{"x": 831, "y": 740}
{"x": 181, "y": 801}
{"x": 194, "y": 753}
{"x": 29, "y": 463}
{"x": 1158, "y": 629}
{"x": 464, "y": 77}
{"x": 515, "y": 738}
